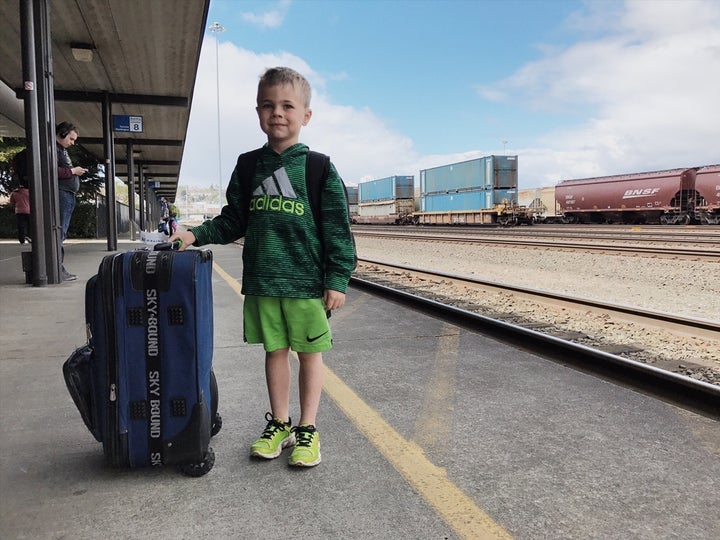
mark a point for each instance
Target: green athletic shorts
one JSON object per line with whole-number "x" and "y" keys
{"x": 279, "y": 323}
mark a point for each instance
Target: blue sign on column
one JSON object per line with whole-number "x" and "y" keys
{"x": 124, "y": 122}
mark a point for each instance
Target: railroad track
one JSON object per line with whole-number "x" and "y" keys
{"x": 688, "y": 234}
{"x": 580, "y": 243}
{"x": 697, "y": 394}
{"x": 673, "y": 322}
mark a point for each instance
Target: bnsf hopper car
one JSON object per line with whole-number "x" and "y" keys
{"x": 666, "y": 197}
{"x": 707, "y": 186}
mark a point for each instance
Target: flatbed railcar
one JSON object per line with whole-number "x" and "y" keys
{"x": 506, "y": 214}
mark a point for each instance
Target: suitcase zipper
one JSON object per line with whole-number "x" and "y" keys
{"x": 115, "y": 273}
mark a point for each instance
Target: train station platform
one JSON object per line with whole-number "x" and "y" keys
{"x": 428, "y": 430}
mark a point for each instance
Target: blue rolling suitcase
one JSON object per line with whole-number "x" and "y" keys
{"x": 144, "y": 383}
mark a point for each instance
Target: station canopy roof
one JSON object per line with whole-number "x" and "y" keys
{"x": 144, "y": 54}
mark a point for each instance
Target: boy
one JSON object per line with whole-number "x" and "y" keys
{"x": 293, "y": 270}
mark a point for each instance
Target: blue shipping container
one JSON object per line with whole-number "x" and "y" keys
{"x": 479, "y": 199}
{"x": 387, "y": 189}
{"x": 456, "y": 202}
{"x": 491, "y": 172}
{"x": 456, "y": 176}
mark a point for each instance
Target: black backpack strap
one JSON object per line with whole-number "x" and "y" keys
{"x": 246, "y": 172}
{"x": 317, "y": 169}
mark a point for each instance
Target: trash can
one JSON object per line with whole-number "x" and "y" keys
{"x": 27, "y": 265}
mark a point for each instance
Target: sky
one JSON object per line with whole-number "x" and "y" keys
{"x": 575, "y": 89}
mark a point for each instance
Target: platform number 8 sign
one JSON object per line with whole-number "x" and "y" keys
{"x": 136, "y": 124}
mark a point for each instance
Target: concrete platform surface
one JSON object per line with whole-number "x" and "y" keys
{"x": 428, "y": 431}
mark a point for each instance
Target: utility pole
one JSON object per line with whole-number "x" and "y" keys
{"x": 217, "y": 28}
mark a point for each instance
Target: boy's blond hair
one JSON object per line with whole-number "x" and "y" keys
{"x": 285, "y": 75}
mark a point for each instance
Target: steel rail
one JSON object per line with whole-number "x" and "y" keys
{"x": 681, "y": 321}
{"x": 619, "y": 237}
{"x": 542, "y": 231}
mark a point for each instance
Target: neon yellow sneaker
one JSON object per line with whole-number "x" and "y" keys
{"x": 307, "y": 446}
{"x": 277, "y": 435}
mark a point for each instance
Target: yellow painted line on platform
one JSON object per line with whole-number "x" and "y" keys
{"x": 457, "y": 509}
{"x": 234, "y": 283}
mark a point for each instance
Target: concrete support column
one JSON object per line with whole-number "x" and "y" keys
{"x": 37, "y": 221}
{"x": 46, "y": 135}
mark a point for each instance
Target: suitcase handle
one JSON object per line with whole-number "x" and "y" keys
{"x": 168, "y": 246}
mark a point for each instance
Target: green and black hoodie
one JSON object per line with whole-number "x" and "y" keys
{"x": 285, "y": 255}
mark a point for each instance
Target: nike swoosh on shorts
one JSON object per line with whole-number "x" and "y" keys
{"x": 311, "y": 339}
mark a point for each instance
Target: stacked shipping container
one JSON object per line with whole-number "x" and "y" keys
{"x": 386, "y": 199}
{"x": 477, "y": 184}
{"x": 385, "y": 189}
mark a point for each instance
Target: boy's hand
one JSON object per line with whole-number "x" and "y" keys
{"x": 186, "y": 238}
{"x": 333, "y": 299}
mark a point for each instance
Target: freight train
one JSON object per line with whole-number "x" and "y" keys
{"x": 480, "y": 191}
{"x": 485, "y": 191}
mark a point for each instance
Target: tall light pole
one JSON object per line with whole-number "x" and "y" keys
{"x": 217, "y": 28}
{"x": 503, "y": 143}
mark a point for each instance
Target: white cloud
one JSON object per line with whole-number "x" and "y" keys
{"x": 651, "y": 86}
{"x": 360, "y": 144}
{"x": 272, "y": 18}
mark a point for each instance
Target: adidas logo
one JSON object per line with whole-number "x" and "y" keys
{"x": 277, "y": 195}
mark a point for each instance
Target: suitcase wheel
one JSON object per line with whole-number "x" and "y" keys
{"x": 216, "y": 425}
{"x": 200, "y": 468}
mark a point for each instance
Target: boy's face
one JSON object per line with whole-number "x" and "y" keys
{"x": 282, "y": 113}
